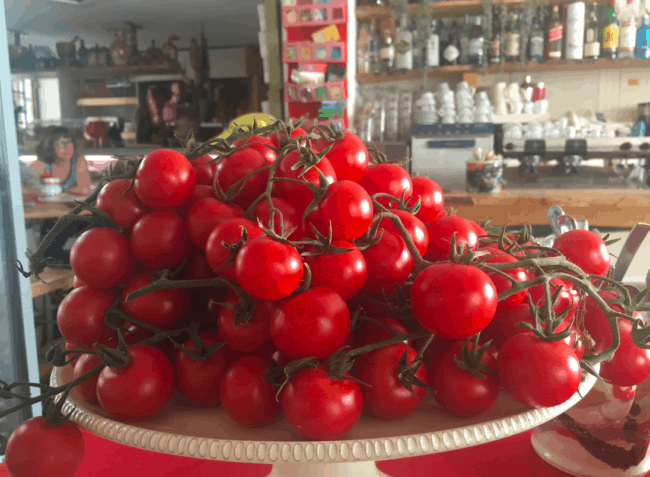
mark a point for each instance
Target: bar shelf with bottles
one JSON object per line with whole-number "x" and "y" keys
{"x": 512, "y": 38}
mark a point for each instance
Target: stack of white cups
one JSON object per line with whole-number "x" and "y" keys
{"x": 465, "y": 102}
{"x": 483, "y": 111}
{"x": 426, "y": 109}
{"x": 447, "y": 108}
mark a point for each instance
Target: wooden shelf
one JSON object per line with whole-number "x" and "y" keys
{"x": 127, "y": 70}
{"x": 51, "y": 280}
{"x": 107, "y": 101}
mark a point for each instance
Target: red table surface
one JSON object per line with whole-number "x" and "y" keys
{"x": 513, "y": 456}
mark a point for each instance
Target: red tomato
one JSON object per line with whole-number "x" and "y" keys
{"x": 349, "y": 209}
{"x": 200, "y": 381}
{"x": 101, "y": 258}
{"x": 584, "y": 249}
{"x": 432, "y": 200}
{"x": 88, "y": 388}
{"x": 268, "y": 270}
{"x": 259, "y": 144}
{"x": 201, "y": 191}
{"x": 162, "y": 309}
{"x": 297, "y": 194}
{"x": 348, "y": 156}
{"x": 246, "y": 337}
{"x": 344, "y": 273}
{"x": 453, "y": 301}
{"x": 37, "y": 449}
{"x": 459, "y": 391}
{"x": 205, "y": 215}
{"x": 204, "y": 169}
{"x": 596, "y": 323}
{"x": 371, "y": 333}
{"x": 76, "y": 283}
{"x": 567, "y": 299}
{"x": 123, "y": 210}
{"x": 236, "y": 166}
{"x": 630, "y": 365}
{"x": 291, "y": 217}
{"x": 164, "y": 180}
{"x": 480, "y": 231}
{"x": 141, "y": 389}
{"x": 81, "y": 317}
{"x": 246, "y": 395}
{"x": 313, "y": 323}
{"x": 440, "y": 233}
{"x": 159, "y": 240}
{"x": 415, "y": 228}
{"x": 230, "y": 233}
{"x": 387, "y": 397}
{"x": 389, "y": 265}
{"x": 538, "y": 373}
{"x": 319, "y": 408}
{"x": 502, "y": 284}
{"x": 388, "y": 179}
{"x": 275, "y": 138}
{"x": 197, "y": 268}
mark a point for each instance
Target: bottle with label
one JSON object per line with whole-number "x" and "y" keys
{"x": 463, "y": 58}
{"x": 418, "y": 47}
{"x": 363, "y": 47}
{"x": 536, "y": 40}
{"x": 575, "y": 31}
{"x": 592, "y": 34}
{"x": 476, "y": 43}
{"x": 611, "y": 33}
{"x": 403, "y": 46}
{"x": 627, "y": 35}
{"x": 452, "y": 49}
{"x": 387, "y": 53}
{"x": 642, "y": 49}
{"x": 93, "y": 56}
{"x": 496, "y": 42}
{"x": 432, "y": 48}
{"x": 554, "y": 33}
{"x": 512, "y": 38}
{"x": 374, "y": 45}
{"x": 82, "y": 53}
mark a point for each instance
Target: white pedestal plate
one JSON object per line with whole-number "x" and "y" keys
{"x": 211, "y": 434}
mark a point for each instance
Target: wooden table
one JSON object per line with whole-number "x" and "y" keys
{"x": 48, "y": 210}
{"x": 601, "y": 207}
{"x": 52, "y": 279}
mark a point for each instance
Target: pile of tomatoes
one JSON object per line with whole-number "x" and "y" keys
{"x": 323, "y": 276}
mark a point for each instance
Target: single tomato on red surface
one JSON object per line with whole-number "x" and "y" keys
{"x": 124, "y": 210}
{"x": 249, "y": 336}
{"x": 453, "y": 301}
{"x": 432, "y": 201}
{"x": 345, "y": 273}
{"x": 159, "y": 240}
{"x": 584, "y": 249}
{"x": 162, "y": 309}
{"x": 81, "y": 317}
{"x": 38, "y": 449}
{"x": 233, "y": 168}
{"x": 205, "y": 215}
{"x": 630, "y": 365}
{"x": 246, "y": 395}
{"x": 268, "y": 270}
{"x": 320, "y": 408}
{"x": 220, "y": 259}
{"x": 259, "y": 144}
{"x": 458, "y": 390}
{"x": 502, "y": 284}
{"x": 88, "y": 388}
{"x": 312, "y": 323}
{"x": 414, "y": 226}
{"x": 200, "y": 381}
{"x": 291, "y": 217}
{"x": 204, "y": 169}
{"x": 348, "y": 155}
{"x": 164, "y": 180}
{"x": 536, "y": 372}
{"x": 101, "y": 258}
{"x": 387, "y": 397}
{"x": 389, "y": 264}
{"x": 141, "y": 389}
{"x": 371, "y": 333}
{"x": 388, "y": 179}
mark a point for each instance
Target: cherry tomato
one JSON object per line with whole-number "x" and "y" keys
{"x": 81, "y": 317}
{"x": 440, "y": 233}
{"x": 101, "y": 258}
{"x": 567, "y": 299}
{"x": 291, "y": 217}
{"x": 371, "y": 333}
{"x": 228, "y": 232}
{"x": 234, "y": 167}
{"x": 630, "y": 365}
{"x": 584, "y": 249}
{"x": 159, "y": 240}
{"x": 313, "y": 323}
{"x": 37, "y": 449}
{"x": 205, "y": 215}
{"x": 246, "y": 395}
{"x": 201, "y": 191}
{"x": 319, "y": 408}
{"x": 200, "y": 381}
{"x": 76, "y": 283}
{"x": 387, "y": 179}
{"x": 204, "y": 169}
{"x": 259, "y": 144}
{"x": 124, "y": 210}
{"x": 453, "y": 301}
{"x": 250, "y": 336}
{"x": 164, "y": 180}
{"x": 502, "y": 284}
{"x": 348, "y": 156}
{"x": 345, "y": 273}
{"x": 268, "y": 270}
{"x": 197, "y": 268}
{"x": 432, "y": 200}
{"x": 389, "y": 264}
{"x": 88, "y": 388}
{"x": 280, "y": 136}
{"x": 415, "y": 228}
{"x": 141, "y": 389}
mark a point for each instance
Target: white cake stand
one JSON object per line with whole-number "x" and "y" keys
{"x": 211, "y": 434}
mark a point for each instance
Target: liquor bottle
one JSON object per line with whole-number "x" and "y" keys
{"x": 512, "y": 38}
{"x": 642, "y": 49}
{"x": 374, "y": 45}
{"x": 443, "y": 32}
{"x": 387, "y": 53}
{"x": 592, "y": 33}
{"x": 496, "y": 43}
{"x": 82, "y": 53}
{"x": 363, "y": 46}
{"x": 452, "y": 50}
{"x": 93, "y": 56}
{"x": 463, "y": 58}
{"x": 536, "y": 41}
{"x": 610, "y": 33}
{"x": 432, "y": 55}
{"x": 476, "y": 43}
{"x": 627, "y": 36}
{"x": 554, "y": 31}
{"x": 575, "y": 31}
{"x": 403, "y": 46}
{"x": 418, "y": 48}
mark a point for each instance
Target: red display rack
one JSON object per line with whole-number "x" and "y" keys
{"x": 311, "y": 93}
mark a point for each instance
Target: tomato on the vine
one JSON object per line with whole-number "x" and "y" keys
{"x": 630, "y": 365}
{"x": 440, "y": 233}
{"x": 388, "y": 179}
{"x": 371, "y": 333}
{"x": 87, "y": 388}
{"x": 389, "y": 264}
{"x": 584, "y": 249}
{"x": 567, "y": 298}
{"x": 259, "y": 144}
{"x": 345, "y": 273}
{"x": 229, "y": 232}
{"x": 201, "y": 191}
{"x": 501, "y": 283}
{"x": 277, "y": 137}
{"x": 159, "y": 240}
{"x": 250, "y": 336}
{"x": 432, "y": 201}
{"x": 164, "y": 180}
{"x": 291, "y": 217}
{"x": 124, "y": 210}
{"x": 204, "y": 169}
{"x": 348, "y": 155}
{"x": 232, "y": 169}
{"x": 414, "y": 226}
{"x": 205, "y": 215}
{"x": 81, "y": 316}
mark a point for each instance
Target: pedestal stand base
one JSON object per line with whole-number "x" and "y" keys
{"x": 343, "y": 469}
